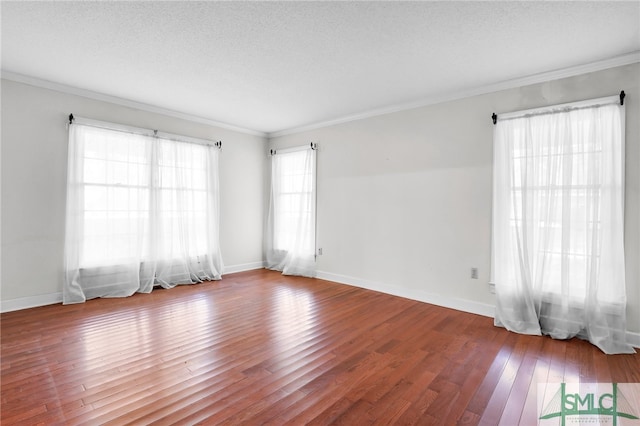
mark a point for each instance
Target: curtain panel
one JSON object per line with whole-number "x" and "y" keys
{"x": 290, "y": 238}
{"x": 557, "y": 248}
{"x": 141, "y": 211}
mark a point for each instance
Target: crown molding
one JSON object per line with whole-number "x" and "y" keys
{"x": 629, "y": 58}
{"x": 46, "y": 84}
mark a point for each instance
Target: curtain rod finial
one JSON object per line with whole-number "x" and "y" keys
{"x": 71, "y": 118}
{"x": 494, "y": 117}
{"x": 622, "y": 96}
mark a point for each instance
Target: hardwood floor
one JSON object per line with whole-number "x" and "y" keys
{"x": 262, "y": 348}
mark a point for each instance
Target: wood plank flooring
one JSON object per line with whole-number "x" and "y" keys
{"x": 261, "y": 348}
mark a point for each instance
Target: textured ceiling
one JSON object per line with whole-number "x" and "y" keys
{"x": 271, "y": 66}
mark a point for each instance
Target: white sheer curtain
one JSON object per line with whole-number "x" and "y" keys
{"x": 291, "y": 221}
{"x": 141, "y": 211}
{"x": 558, "y": 257}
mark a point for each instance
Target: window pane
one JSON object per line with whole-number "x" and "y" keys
{"x": 118, "y": 182}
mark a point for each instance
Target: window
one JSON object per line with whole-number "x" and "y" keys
{"x": 142, "y": 210}
{"x": 292, "y": 212}
{"x": 560, "y": 185}
{"x": 115, "y": 185}
{"x": 293, "y": 199}
{"x": 557, "y": 257}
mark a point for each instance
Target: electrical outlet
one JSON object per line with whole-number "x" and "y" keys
{"x": 320, "y": 251}
{"x": 474, "y": 273}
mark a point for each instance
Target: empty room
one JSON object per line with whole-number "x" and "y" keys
{"x": 349, "y": 212}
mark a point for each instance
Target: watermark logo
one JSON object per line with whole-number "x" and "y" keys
{"x": 615, "y": 404}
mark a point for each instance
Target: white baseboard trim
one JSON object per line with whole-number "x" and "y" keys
{"x": 434, "y": 299}
{"x": 633, "y": 339}
{"x": 243, "y": 267}
{"x": 421, "y": 296}
{"x": 30, "y": 302}
{"x": 53, "y": 298}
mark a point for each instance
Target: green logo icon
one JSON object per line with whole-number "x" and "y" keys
{"x": 564, "y": 404}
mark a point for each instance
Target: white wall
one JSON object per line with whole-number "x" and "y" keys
{"x": 404, "y": 199}
{"x": 34, "y": 158}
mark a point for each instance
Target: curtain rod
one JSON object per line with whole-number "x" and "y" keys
{"x": 313, "y": 146}
{"x": 494, "y": 116}
{"x": 140, "y": 131}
